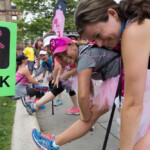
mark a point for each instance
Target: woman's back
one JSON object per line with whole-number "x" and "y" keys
{"x": 94, "y": 57}
{"x": 22, "y": 78}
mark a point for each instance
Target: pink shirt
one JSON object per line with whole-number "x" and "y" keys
{"x": 24, "y": 80}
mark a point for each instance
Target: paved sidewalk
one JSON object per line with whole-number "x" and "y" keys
{"x": 58, "y": 122}
{"x": 23, "y": 125}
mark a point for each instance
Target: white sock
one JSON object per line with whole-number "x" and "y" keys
{"x": 54, "y": 144}
{"x": 35, "y": 106}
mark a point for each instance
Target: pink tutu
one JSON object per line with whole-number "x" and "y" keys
{"x": 71, "y": 83}
{"x": 104, "y": 95}
{"x": 74, "y": 84}
{"x": 145, "y": 118}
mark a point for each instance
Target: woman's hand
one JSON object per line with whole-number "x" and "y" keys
{"x": 40, "y": 80}
{"x": 65, "y": 76}
{"x": 56, "y": 83}
{"x": 70, "y": 73}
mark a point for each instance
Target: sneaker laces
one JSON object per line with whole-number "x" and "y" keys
{"x": 72, "y": 109}
{"x": 76, "y": 109}
{"x": 48, "y": 137}
{"x": 31, "y": 100}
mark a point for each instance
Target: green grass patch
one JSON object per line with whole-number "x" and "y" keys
{"x": 6, "y": 121}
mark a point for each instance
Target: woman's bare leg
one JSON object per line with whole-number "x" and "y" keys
{"x": 49, "y": 96}
{"x": 77, "y": 130}
{"x": 74, "y": 101}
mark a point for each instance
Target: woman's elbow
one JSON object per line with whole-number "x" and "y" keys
{"x": 82, "y": 98}
{"x": 133, "y": 106}
{"x": 84, "y": 101}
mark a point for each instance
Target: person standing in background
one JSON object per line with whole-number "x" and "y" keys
{"x": 39, "y": 46}
{"x": 29, "y": 52}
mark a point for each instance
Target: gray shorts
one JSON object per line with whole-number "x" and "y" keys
{"x": 30, "y": 65}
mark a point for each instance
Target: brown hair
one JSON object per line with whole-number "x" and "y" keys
{"x": 18, "y": 64}
{"x": 50, "y": 32}
{"x": 81, "y": 42}
{"x": 93, "y": 11}
{"x": 138, "y": 9}
{"x": 36, "y": 44}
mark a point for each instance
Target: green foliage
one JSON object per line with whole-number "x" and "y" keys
{"x": 43, "y": 21}
{"x": 6, "y": 122}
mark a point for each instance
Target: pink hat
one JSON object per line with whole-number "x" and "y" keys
{"x": 60, "y": 45}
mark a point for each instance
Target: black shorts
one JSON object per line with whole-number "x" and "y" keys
{"x": 59, "y": 90}
{"x": 32, "y": 92}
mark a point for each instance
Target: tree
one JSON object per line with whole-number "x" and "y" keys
{"x": 42, "y": 21}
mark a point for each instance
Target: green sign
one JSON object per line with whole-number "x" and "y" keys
{"x": 8, "y": 36}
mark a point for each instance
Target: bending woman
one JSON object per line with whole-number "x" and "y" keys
{"x": 105, "y": 22}
{"x": 63, "y": 83}
{"x": 91, "y": 65}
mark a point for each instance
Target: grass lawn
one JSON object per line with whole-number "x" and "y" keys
{"x": 6, "y": 121}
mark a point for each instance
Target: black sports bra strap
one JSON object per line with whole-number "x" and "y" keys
{"x": 19, "y": 80}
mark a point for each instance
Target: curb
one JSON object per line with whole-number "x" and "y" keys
{"x": 23, "y": 125}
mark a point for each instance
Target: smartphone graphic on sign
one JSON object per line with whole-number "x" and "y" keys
{"x": 4, "y": 47}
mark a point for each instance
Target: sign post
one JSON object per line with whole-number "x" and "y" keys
{"x": 8, "y": 36}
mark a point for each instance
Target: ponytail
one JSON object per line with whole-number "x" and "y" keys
{"x": 18, "y": 64}
{"x": 138, "y": 9}
{"x": 81, "y": 42}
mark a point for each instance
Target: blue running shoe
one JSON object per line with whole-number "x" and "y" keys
{"x": 42, "y": 107}
{"x": 30, "y": 107}
{"x": 45, "y": 142}
{"x": 23, "y": 101}
{"x": 29, "y": 104}
{"x": 58, "y": 102}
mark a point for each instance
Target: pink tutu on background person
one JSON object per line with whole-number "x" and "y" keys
{"x": 104, "y": 95}
{"x": 72, "y": 82}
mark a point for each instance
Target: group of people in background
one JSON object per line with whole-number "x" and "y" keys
{"x": 45, "y": 63}
{"x": 109, "y": 28}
